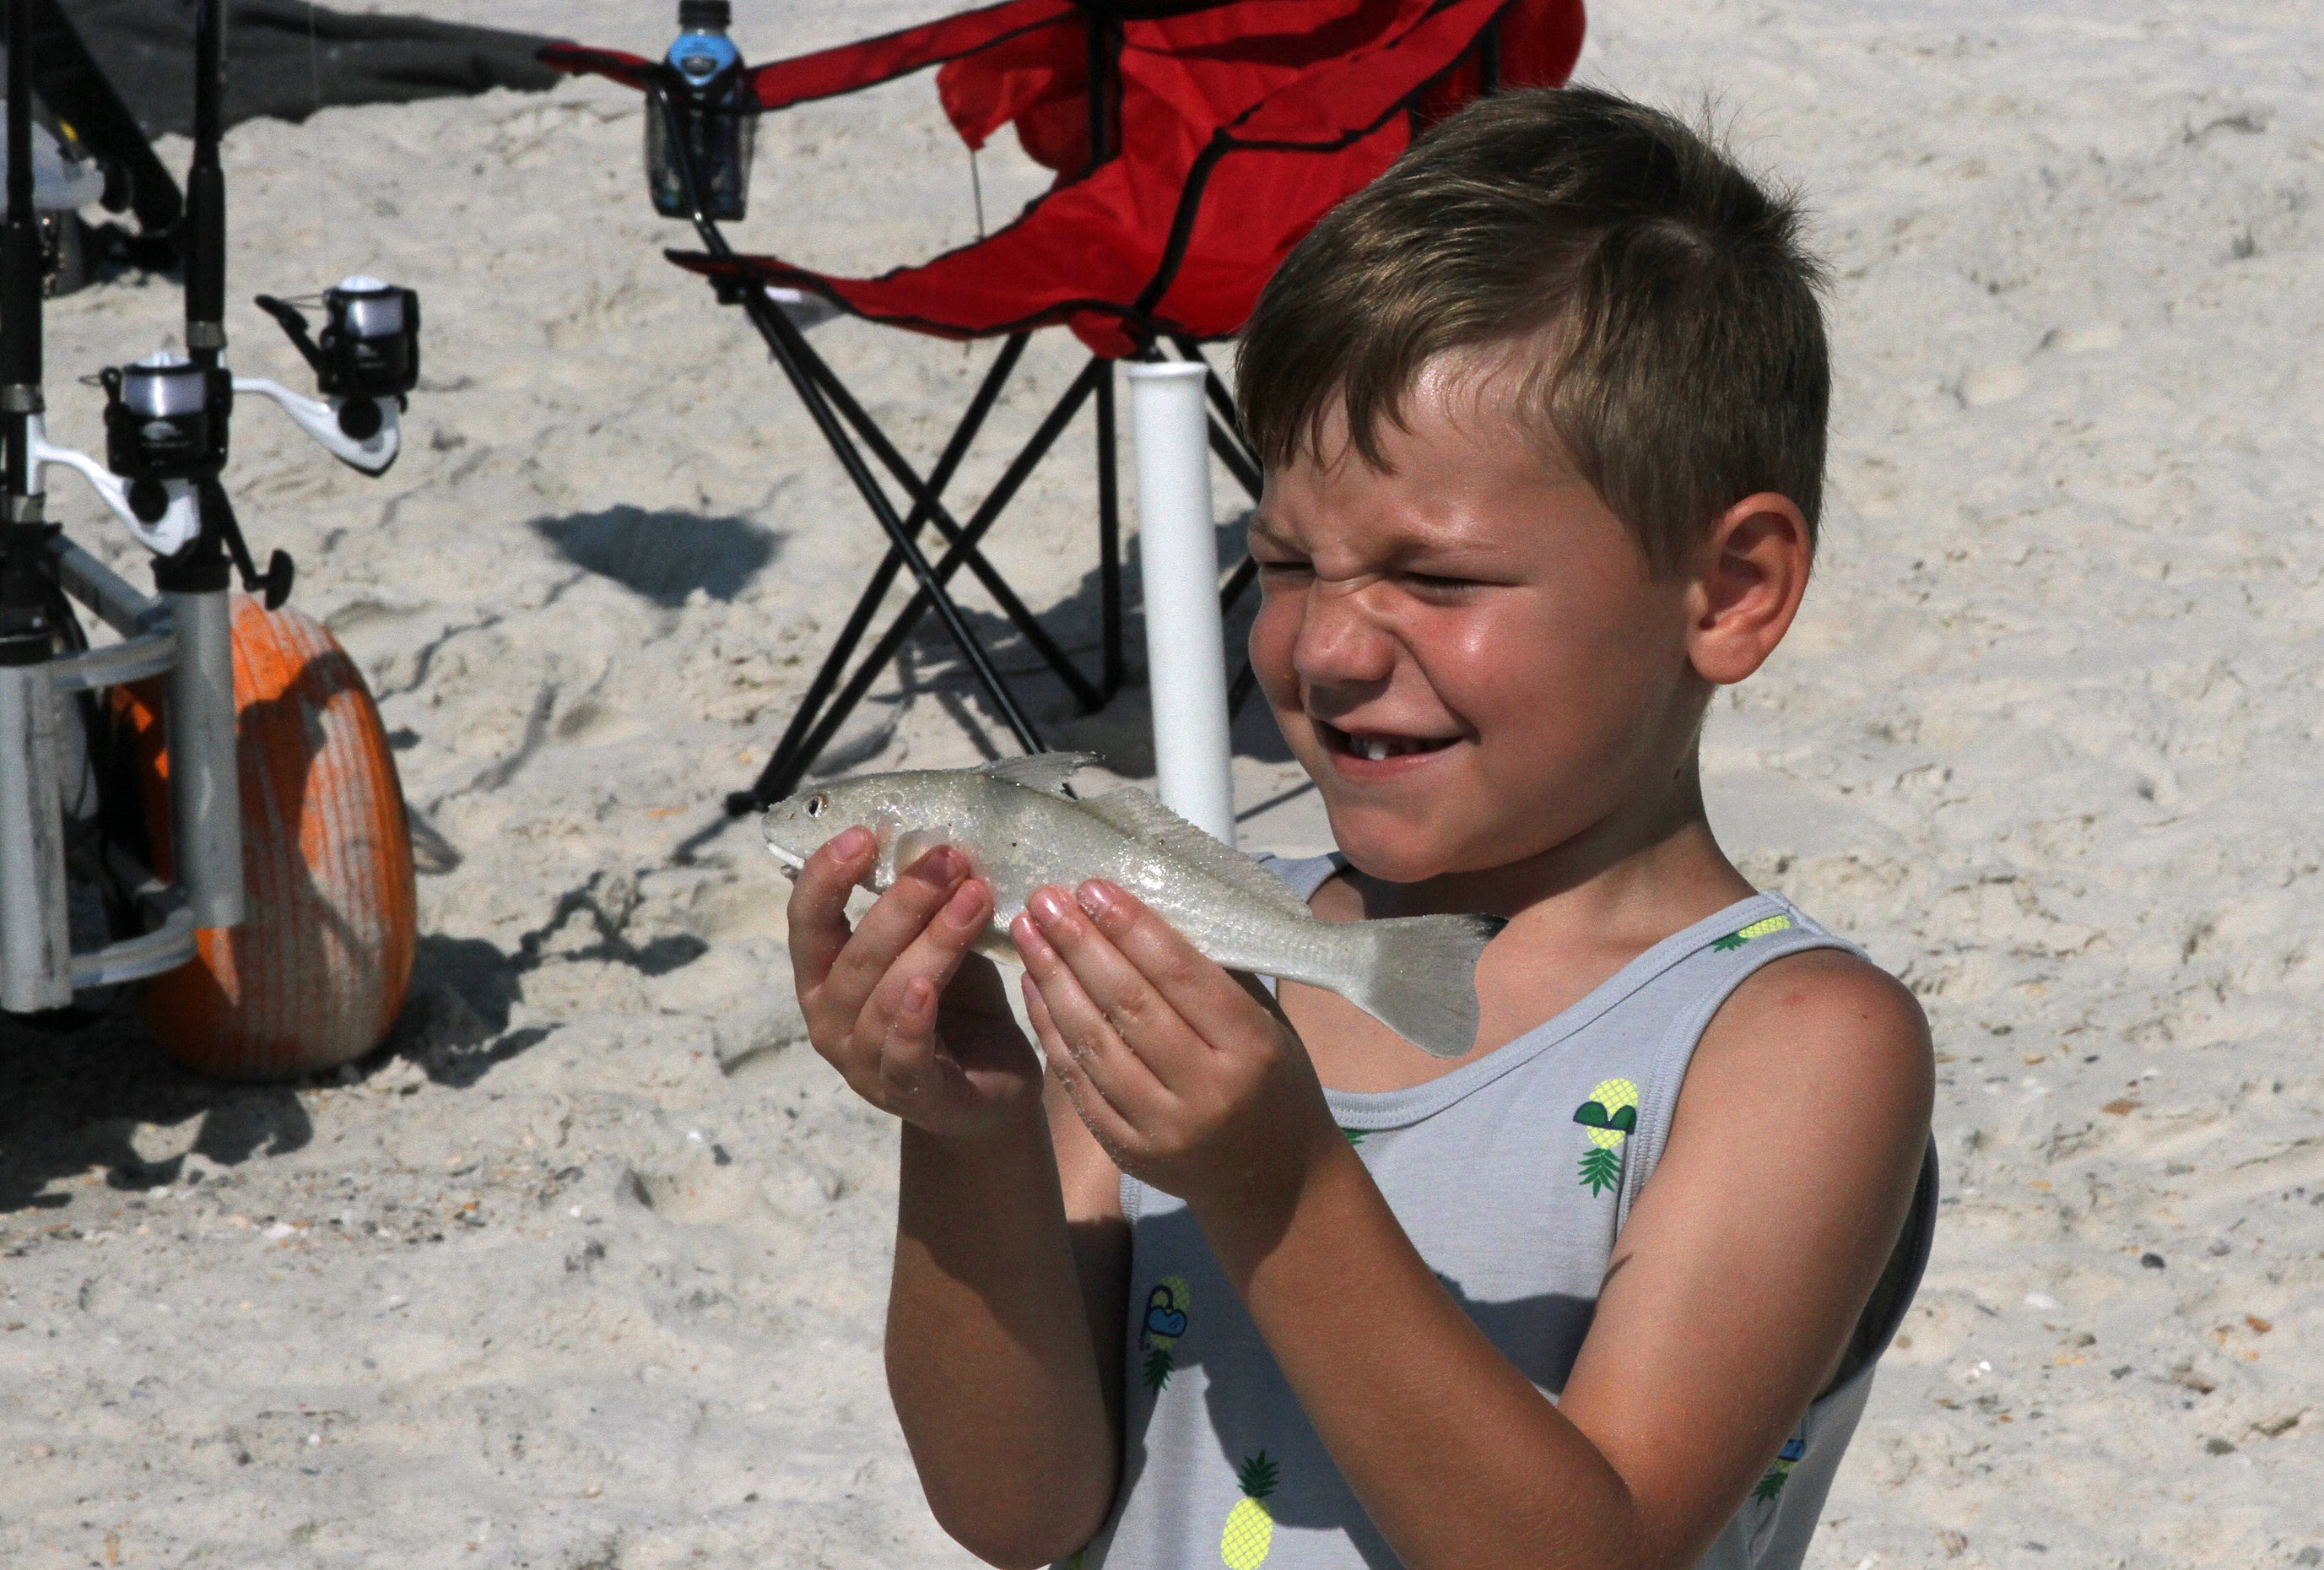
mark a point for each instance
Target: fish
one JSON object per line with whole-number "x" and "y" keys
{"x": 1020, "y": 828}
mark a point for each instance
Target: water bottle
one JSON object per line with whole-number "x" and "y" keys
{"x": 706, "y": 97}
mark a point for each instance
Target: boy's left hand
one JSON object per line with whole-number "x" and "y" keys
{"x": 1188, "y": 1078}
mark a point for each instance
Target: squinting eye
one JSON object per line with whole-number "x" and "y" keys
{"x": 816, "y": 804}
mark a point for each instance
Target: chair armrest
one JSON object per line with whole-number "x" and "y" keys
{"x": 575, "y": 59}
{"x": 843, "y": 68}
{"x": 867, "y": 63}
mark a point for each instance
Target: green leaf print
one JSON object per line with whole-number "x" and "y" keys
{"x": 1600, "y": 1170}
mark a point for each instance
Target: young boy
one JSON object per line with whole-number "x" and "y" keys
{"x": 1253, "y": 1280}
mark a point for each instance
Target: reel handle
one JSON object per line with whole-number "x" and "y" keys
{"x": 293, "y": 323}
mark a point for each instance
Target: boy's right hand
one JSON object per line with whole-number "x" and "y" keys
{"x": 917, "y": 1023}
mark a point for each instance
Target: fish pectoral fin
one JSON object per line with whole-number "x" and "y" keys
{"x": 915, "y": 843}
{"x": 1140, "y": 817}
{"x": 1044, "y": 772}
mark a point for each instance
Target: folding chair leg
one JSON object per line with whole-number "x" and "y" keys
{"x": 1237, "y": 580}
{"x": 1109, "y": 542}
{"x": 1237, "y": 458}
{"x": 1237, "y": 695}
{"x": 783, "y": 773}
{"x": 791, "y": 351}
{"x": 867, "y": 604}
{"x": 1027, "y": 624}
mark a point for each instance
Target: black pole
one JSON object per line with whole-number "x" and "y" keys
{"x": 200, "y": 567}
{"x": 25, "y": 597}
{"x": 205, "y": 192}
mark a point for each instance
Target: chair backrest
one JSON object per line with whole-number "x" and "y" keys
{"x": 1071, "y": 87}
{"x": 1236, "y": 124}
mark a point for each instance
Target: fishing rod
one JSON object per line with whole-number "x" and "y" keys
{"x": 166, "y": 439}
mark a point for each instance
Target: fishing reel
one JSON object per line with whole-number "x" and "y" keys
{"x": 165, "y": 433}
{"x": 165, "y": 445}
{"x": 366, "y": 362}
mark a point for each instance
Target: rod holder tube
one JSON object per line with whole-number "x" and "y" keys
{"x": 1178, "y": 555}
{"x": 205, "y": 797}
{"x": 35, "y": 933}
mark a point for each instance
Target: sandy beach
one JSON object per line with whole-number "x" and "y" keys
{"x": 585, "y": 1269}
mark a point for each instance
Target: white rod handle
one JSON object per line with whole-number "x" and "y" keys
{"x": 1177, "y": 550}
{"x": 320, "y": 420}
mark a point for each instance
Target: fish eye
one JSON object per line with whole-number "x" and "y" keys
{"x": 816, "y": 804}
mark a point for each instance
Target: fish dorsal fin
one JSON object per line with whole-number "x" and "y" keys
{"x": 1043, "y": 771}
{"x": 1142, "y": 817}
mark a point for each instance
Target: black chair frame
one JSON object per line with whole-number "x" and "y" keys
{"x": 835, "y": 692}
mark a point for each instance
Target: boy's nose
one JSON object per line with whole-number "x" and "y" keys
{"x": 1340, "y": 644}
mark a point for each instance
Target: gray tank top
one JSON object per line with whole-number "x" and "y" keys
{"x": 1512, "y": 1174}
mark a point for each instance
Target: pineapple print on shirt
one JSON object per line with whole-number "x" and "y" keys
{"x": 1772, "y": 1485}
{"x": 1743, "y": 935}
{"x": 1250, "y": 1534}
{"x": 1159, "y": 1328}
{"x": 1610, "y": 1116}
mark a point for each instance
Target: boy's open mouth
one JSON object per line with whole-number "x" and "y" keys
{"x": 1375, "y": 747}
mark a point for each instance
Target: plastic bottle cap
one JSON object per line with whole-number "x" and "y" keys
{"x": 716, "y": 13}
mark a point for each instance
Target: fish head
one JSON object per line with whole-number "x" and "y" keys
{"x": 889, "y": 804}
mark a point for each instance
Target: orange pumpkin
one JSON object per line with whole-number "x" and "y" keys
{"x": 318, "y": 969}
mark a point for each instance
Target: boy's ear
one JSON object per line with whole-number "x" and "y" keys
{"x": 1749, "y": 579}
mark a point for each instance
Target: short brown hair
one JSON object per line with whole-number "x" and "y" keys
{"x": 1683, "y": 346}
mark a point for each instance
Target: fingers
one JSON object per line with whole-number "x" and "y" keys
{"x": 818, "y": 903}
{"x": 909, "y": 1067}
{"x": 927, "y": 962}
{"x": 1105, "y": 1124}
{"x": 834, "y": 992}
{"x": 918, "y": 930}
{"x": 896, "y": 918}
{"x": 1196, "y": 986}
{"x": 1122, "y": 1033}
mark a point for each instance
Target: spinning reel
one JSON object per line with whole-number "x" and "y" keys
{"x": 368, "y": 354}
{"x": 166, "y": 419}
{"x": 165, "y": 428}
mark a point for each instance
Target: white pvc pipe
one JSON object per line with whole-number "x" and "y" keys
{"x": 1178, "y": 553}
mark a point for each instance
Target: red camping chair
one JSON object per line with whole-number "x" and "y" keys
{"x": 1196, "y": 142}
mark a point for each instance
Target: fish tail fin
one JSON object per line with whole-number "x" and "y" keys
{"x": 1419, "y": 976}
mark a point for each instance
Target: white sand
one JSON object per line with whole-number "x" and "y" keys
{"x": 545, "y": 1284}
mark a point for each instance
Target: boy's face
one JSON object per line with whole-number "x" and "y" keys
{"x": 1467, "y": 649}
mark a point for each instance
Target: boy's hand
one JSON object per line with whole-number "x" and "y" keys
{"x": 1188, "y": 1078}
{"x": 916, "y": 1023}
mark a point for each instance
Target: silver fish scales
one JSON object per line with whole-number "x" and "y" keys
{"x": 1019, "y": 831}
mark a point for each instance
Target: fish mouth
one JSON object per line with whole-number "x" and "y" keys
{"x": 1378, "y": 746}
{"x": 792, "y": 860}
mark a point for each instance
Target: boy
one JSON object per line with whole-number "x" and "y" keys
{"x": 1252, "y": 1281}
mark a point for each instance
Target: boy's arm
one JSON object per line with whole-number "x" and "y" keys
{"x": 1792, "y": 1160}
{"x": 1002, "y": 1242}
